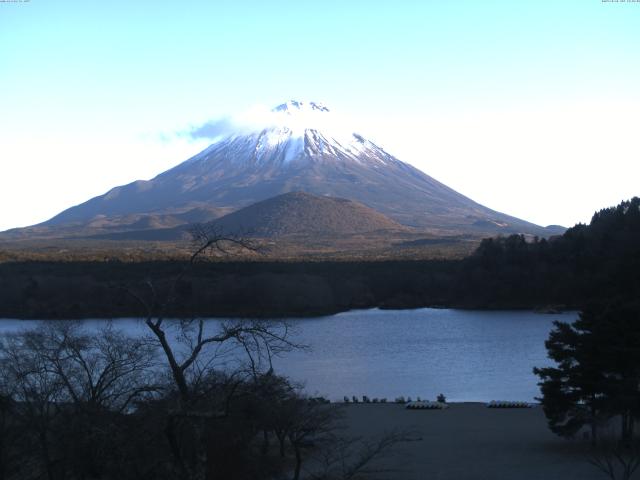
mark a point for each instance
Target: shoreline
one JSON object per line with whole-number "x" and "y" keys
{"x": 315, "y": 315}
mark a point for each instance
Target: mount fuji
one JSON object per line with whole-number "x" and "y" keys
{"x": 297, "y": 147}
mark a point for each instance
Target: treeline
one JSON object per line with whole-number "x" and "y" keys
{"x": 599, "y": 259}
{"x": 212, "y": 288}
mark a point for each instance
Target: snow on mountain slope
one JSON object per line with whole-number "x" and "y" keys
{"x": 299, "y": 146}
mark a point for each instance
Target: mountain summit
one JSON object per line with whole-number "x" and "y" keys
{"x": 300, "y": 146}
{"x": 294, "y": 106}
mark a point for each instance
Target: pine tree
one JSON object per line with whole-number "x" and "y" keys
{"x": 598, "y": 370}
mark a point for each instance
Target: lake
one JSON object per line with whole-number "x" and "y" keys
{"x": 466, "y": 355}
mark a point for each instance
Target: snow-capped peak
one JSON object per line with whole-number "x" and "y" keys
{"x": 293, "y": 107}
{"x": 294, "y": 116}
{"x": 300, "y": 116}
{"x": 292, "y": 132}
{"x": 289, "y": 120}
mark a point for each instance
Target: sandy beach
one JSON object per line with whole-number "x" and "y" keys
{"x": 471, "y": 441}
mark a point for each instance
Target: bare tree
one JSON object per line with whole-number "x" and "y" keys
{"x": 40, "y": 395}
{"x": 71, "y": 390}
{"x": 104, "y": 371}
{"x": 310, "y": 423}
{"x": 347, "y": 458}
{"x": 259, "y": 339}
{"x": 617, "y": 460}
{"x": 191, "y": 348}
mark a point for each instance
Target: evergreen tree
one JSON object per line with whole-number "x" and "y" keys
{"x": 598, "y": 370}
{"x": 572, "y": 392}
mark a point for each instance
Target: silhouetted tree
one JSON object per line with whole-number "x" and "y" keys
{"x": 572, "y": 392}
{"x": 10, "y": 436}
{"x": 69, "y": 391}
{"x": 598, "y": 370}
{"x": 195, "y": 414}
{"x": 615, "y": 459}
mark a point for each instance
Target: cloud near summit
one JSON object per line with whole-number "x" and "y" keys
{"x": 260, "y": 117}
{"x": 211, "y": 129}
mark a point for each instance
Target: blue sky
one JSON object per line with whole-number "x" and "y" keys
{"x": 530, "y": 107}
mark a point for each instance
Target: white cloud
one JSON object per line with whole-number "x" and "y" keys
{"x": 260, "y": 117}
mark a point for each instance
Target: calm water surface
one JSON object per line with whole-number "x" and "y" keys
{"x": 466, "y": 355}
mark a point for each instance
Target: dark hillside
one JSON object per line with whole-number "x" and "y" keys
{"x": 300, "y": 213}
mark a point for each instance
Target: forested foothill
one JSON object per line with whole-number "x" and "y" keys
{"x": 588, "y": 261}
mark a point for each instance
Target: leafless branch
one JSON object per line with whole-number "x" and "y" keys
{"x": 616, "y": 460}
{"x": 355, "y": 458}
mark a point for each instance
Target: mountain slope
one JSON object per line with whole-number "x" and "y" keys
{"x": 301, "y": 148}
{"x": 299, "y": 213}
{"x": 290, "y": 214}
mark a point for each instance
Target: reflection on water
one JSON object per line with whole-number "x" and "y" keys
{"x": 466, "y": 355}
